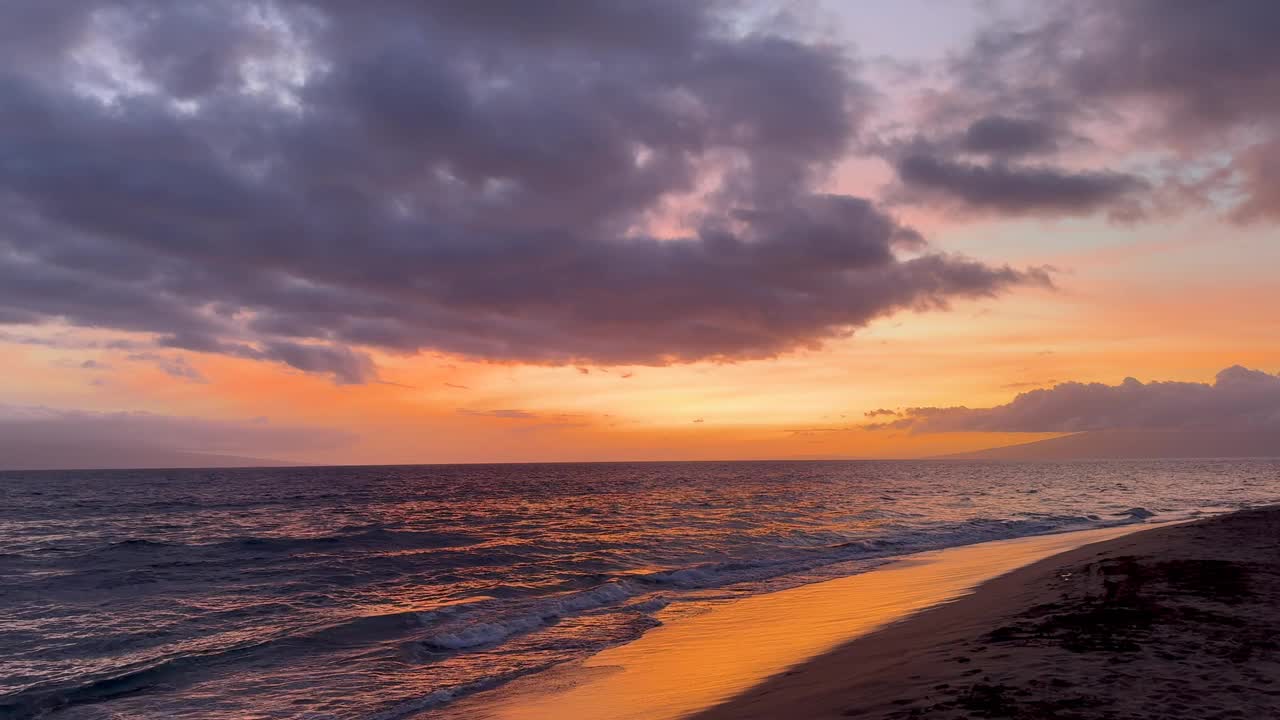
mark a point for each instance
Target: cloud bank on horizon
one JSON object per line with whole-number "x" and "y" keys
{"x": 1239, "y": 399}
{"x": 30, "y": 429}
{"x": 303, "y": 181}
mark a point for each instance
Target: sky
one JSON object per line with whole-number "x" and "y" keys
{"x": 393, "y": 232}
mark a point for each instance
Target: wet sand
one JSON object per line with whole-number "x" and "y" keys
{"x": 696, "y": 661}
{"x": 1174, "y": 622}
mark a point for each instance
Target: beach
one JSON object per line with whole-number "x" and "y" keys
{"x": 696, "y": 661}
{"x": 621, "y": 592}
{"x": 1173, "y": 622}
{"x": 639, "y": 359}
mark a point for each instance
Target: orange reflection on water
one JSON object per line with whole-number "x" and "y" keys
{"x": 700, "y": 660}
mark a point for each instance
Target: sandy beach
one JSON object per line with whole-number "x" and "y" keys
{"x": 697, "y": 660}
{"x": 1175, "y": 622}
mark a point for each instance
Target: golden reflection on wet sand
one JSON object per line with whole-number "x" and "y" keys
{"x": 697, "y": 661}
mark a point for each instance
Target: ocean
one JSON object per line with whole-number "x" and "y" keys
{"x": 389, "y": 592}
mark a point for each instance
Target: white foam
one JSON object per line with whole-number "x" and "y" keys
{"x": 489, "y": 633}
{"x": 649, "y": 606}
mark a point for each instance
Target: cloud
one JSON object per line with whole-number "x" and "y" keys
{"x": 38, "y": 426}
{"x": 1016, "y": 189}
{"x": 879, "y": 411}
{"x": 1238, "y": 399}
{"x": 1028, "y": 384}
{"x": 307, "y": 181}
{"x": 1259, "y": 166}
{"x": 505, "y": 414}
{"x": 1192, "y": 81}
{"x": 532, "y": 421}
{"x": 68, "y": 341}
{"x": 1004, "y": 135}
{"x": 345, "y": 365}
{"x": 174, "y": 366}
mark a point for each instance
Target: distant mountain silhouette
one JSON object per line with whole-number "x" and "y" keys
{"x": 14, "y": 456}
{"x": 1121, "y": 444}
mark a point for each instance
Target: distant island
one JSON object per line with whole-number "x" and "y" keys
{"x": 79, "y": 457}
{"x": 1135, "y": 444}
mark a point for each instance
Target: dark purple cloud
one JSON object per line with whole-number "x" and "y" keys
{"x": 1017, "y": 189}
{"x": 1004, "y": 135}
{"x": 1239, "y": 399}
{"x": 302, "y": 180}
{"x": 1197, "y": 78}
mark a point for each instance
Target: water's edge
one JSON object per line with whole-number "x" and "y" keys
{"x": 330, "y": 594}
{"x": 696, "y": 662}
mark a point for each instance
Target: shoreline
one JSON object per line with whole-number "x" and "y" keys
{"x": 1174, "y": 621}
{"x": 695, "y": 662}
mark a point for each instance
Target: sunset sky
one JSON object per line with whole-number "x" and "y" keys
{"x": 658, "y": 230}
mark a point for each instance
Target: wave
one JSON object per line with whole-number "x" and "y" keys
{"x": 374, "y": 538}
{"x": 487, "y": 622}
{"x": 163, "y": 672}
{"x": 542, "y": 613}
{"x": 490, "y": 625}
{"x": 487, "y": 625}
{"x": 166, "y": 672}
{"x": 38, "y": 700}
{"x": 438, "y": 698}
{"x": 138, "y": 544}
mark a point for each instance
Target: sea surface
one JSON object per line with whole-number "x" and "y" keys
{"x": 388, "y": 592}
